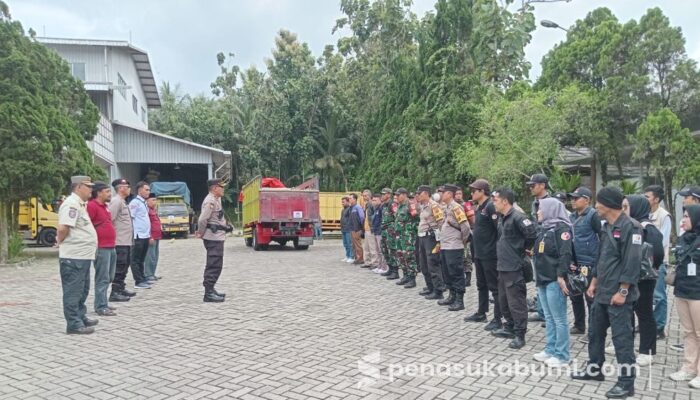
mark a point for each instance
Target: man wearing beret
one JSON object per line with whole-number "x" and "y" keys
{"x": 212, "y": 228}
{"x": 77, "y": 244}
{"x": 614, "y": 292}
{"x": 454, "y": 235}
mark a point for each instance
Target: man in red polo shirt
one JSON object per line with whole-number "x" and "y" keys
{"x": 151, "y": 261}
{"x": 106, "y": 257}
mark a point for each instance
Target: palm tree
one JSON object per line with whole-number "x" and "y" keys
{"x": 331, "y": 147}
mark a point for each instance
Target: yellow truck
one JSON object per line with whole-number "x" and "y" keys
{"x": 174, "y": 215}
{"x": 37, "y": 222}
{"x": 331, "y": 207}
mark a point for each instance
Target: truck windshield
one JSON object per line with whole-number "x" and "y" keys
{"x": 176, "y": 210}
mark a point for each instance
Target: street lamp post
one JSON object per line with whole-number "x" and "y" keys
{"x": 551, "y": 24}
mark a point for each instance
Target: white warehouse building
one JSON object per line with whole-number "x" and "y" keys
{"x": 120, "y": 81}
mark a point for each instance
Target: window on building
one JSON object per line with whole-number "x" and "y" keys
{"x": 77, "y": 69}
{"x": 135, "y": 104}
{"x": 122, "y": 85}
{"x": 143, "y": 115}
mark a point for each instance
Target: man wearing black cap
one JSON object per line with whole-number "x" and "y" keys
{"x": 484, "y": 238}
{"x": 516, "y": 235}
{"x": 538, "y": 185}
{"x": 121, "y": 219}
{"x": 614, "y": 291}
{"x": 586, "y": 241}
{"x": 431, "y": 218}
{"x": 691, "y": 195}
{"x": 454, "y": 235}
{"x": 407, "y": 226}
{"x": 212, "y": 228}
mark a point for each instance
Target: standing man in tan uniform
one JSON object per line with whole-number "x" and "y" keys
{"x": 212, "y": 228}
{"x": 77, "y": 246}
{"x": 454, "y": 234}
{"x": 121, "y": 219}
{"x": 431, "y": 218}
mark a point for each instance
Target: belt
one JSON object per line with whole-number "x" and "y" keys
{"x": 424, "y": 234}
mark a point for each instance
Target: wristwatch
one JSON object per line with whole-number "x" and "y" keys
{"x": 624, "y": 292}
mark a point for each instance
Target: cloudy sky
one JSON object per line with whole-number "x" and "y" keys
{"x": 182, "y": 37}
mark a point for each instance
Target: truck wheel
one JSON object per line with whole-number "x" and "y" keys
{"x": 257, "y": 246}
{"x": 298, "y": 246}
{"x": 47, "y": 237}
{"x": 282, "y": 243}
{"x": 249, "y": 242}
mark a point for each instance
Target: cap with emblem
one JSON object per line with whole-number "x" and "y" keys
{"x": 451, "y": 188}
{"x": 480, "y": 184}
{"x": 441, "y": 188}
{"x": 401, "y": 191}
{"x": 99, "y": 186}
{"x": 120, "y": 182}
{"x": 424, "y": 188}
{"x": 691, "y": 191}
{"x": 81, "y": 179}
{"x": 538, "y": 178}
{"x": 387, "y": 191}
{"x": 582, "y": 192}
{"x": 411, "y": 195}
{"x": 215, "y": 182}
{"x": 561, "y": 196}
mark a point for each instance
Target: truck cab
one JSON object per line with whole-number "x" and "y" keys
{"x": 174, "y": 215}
{"x": 37, "y": 222}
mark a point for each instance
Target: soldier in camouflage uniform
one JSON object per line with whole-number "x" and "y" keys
{"x": 388, "y": 234}
{"x": 407, "y": 218}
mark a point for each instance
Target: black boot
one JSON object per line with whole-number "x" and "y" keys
{"x": 620, "y": 392}
{"x": 449, "y": 300}
{"x": 219, "y": 293}
{"x": 426, "y": 291}
{"x": 476, "y": 317}
{"x": 506, "y": 332}
{"x": 410, "y": 283}
{"x": 435, "y": 295}
{"x": 211, "y": 297}
{"x": 589, "y": 372}
{"x": 495, "y": 324}
{"x": 458, "y": 304}
{"x": 127, "y": 293}
{"x": 518, "y": 342}
{"x": 393, "y": 275}
{"x": 388, "y": 272}
{"x": 118, "y": 297}
{"x": 403, "y": 280}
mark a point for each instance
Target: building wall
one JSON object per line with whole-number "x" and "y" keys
{"x": 92, "y": 56}
{"x": 132, "y": 146}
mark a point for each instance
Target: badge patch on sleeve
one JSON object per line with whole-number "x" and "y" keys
{"x": 459, "y": 214}
{"x": 636, "y": 238}
{"x": 565, "y": 236}
{"x": 527, "y": 222}
{"x": 73, "y": 213}
{"x": 494, "y": 216}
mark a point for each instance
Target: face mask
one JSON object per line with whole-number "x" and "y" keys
{"x": 436, "y": 196}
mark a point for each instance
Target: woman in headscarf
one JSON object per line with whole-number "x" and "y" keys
{"x": 687, "y": 292}
{"x": 638, "y": 208}
{"x": 552, "y": 258}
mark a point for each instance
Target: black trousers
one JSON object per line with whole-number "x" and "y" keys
{"x": 644, "y": 309}
{"x": 138, "y": 257}
{"x": 619, "y": 319}
{"x": 215, "y": 262}
{"x": 487, "y": 280}
{"x": 512, "y": 294}
{"x": 453, "y": 270}
{"x": 123, "y": 262}
{"x": 430, "y": 263}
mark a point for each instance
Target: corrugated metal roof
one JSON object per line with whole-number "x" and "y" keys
{"x": 140, "y": 57}
{"x": 173, "y": 138}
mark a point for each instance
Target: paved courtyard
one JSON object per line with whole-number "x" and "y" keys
{"x": 296, "y": 324}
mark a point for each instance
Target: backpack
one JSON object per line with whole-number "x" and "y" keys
{"x": 647, "y": 270}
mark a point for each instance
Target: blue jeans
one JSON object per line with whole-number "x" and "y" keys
{"x": 553, "y": 304}
{"x": 661, "y": 299}
{"x": 105, "y": 266}
{"x": 540, "y": 310}
{"x": 347, "y": 243}
{"x": 151, "y": 261}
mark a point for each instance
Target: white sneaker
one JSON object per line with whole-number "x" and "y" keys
{"x": 344, "y": 259}
{"x": 376, "y": 270}
{"x": 610, "y": 350}
{"x": 554, "y": 362}
{"x": 644, "y": 359}
{"x": 542, "y": 356}
{"x": 350, "y": 261}
{"x": 681, "y": 376}
{"x": 695, "y": 383}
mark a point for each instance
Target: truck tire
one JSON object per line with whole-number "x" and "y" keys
{"x": 47, "y": 237}
{"x": 249, "y": 242}
{"x": 298, "y": 246}
{"x": 257, "y": 246}
{"x": 282, "y": 243}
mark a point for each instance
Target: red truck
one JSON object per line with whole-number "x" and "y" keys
{"x": 274, "y": 213}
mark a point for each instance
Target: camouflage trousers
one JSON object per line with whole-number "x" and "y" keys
{"x": 407, "y": 255}
{"x": 387, "y": 249}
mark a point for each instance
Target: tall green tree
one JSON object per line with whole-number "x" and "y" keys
{"x": 45, "y": 119}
